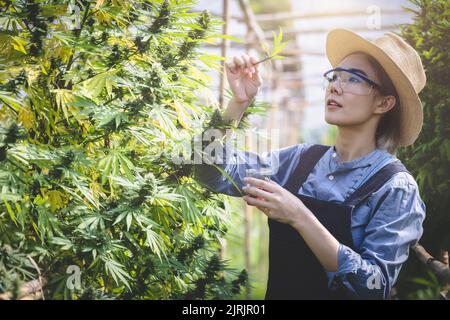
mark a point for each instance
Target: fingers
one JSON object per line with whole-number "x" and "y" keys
{"x": 270, "y": 186}
{"x": 266, "y": 211}
{"x": 232, "y": 67}
{"x": 262, "y": 209}
{"x": 253, "y": 61}
{"x": 239, "y": 62}
{"x": 257, "y": 192}
{"x": 255, "y": 75}
{"x": 257, "y": 203}
{"x": 248, "y": 65}
{"x": 244, "y": 64}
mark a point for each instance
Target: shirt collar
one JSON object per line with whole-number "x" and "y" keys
{"x": 364, "y": 161}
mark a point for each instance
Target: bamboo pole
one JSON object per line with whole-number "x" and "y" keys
{"x": 248, "y": 209}
{"x": 247, "y": 233}
{"x": 224, "y": 50}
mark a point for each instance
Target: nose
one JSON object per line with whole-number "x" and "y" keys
{"x": 335, "y": 87}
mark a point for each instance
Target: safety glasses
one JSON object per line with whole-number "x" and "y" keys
{"x": 350, "y": 81}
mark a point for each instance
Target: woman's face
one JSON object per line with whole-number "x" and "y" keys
{"x": 355, "y": 108}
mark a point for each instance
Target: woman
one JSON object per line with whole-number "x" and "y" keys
{"x": 341, "y": 218}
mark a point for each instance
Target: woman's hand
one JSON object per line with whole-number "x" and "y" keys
{"x": 275, "y": 201}
{"x": 281, "y": 205}
{"x": 243, "y": 77}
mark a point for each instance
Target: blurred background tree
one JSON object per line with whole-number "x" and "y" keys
{"x": 429, "y": 158}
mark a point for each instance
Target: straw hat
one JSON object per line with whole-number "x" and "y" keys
{"x": 402, "y": 64}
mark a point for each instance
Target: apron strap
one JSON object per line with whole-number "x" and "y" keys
{"x": 375, "y": 182}
{"x": 306, "y": 164}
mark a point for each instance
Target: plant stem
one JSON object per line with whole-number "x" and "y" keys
{"x": 265, "y": 59}
{"x": 9, "y": 106}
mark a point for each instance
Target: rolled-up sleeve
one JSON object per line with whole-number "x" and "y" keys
{"x": 396, "y": 224}
{"x": 226, "y": 175}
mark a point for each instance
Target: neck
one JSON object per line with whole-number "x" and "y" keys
{"x": 352, "y": 143}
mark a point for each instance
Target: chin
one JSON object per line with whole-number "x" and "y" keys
{"x": 333, "y": 119}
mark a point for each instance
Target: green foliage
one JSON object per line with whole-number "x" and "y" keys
{"x": 429, "y": 157}
{"x": 277, "y": 46}
{"x": 95, "y": 96}
{"x": 431, "y": 288}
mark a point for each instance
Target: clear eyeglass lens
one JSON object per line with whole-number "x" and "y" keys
{"x": 325, "y": 83}
{"x": 349, "y": 82}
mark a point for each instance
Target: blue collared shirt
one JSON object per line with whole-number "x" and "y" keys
{"x": 383, "y": 227}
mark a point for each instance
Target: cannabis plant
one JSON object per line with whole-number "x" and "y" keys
{"x": 96, "y": 98}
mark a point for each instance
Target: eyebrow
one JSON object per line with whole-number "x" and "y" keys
{"x": 358, "y": 71}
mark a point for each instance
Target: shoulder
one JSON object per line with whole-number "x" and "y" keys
{"x": 287, "y": 157}
{"x": 399, "y": 195}
{"x": 398, "y": 180}
{"x": 313, "y": 150}
{"x": 295, "y": 150}
{"x": 403, "y": 179}
{"x": 302, "y": 147}
{"x": 305, "y": 147}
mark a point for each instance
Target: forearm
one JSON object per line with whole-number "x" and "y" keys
{"x": 235, "y": 110}
{"x": 210, "y": 175}
{"x": 340, "y": 260}
{"x": 321, "y": 242}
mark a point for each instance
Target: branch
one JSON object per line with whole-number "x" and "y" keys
{"x": 31, "y": 290}
{"x": 40, "y": 279}
{"x": 439, "y": 268}
{"x": 9, "y": 106}
{"x": 250, "y": 20}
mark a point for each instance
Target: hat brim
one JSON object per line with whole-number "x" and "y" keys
{"x": 342, "y": 42}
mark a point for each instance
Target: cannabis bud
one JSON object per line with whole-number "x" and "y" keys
{"x": 163, "y": 18}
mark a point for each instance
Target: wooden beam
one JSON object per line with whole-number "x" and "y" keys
{"x": 296, "y": 51}
{"x": 297, "y": 31}
{"x": 252, "y": 23}
{"x": 291, "y": 60}
{"x": 288, "y": 51}
{"x": 301, "y": 15}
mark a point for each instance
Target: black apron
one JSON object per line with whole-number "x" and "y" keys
{"x": 294, "y": 271}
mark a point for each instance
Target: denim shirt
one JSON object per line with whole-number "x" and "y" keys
{"x": 383, "y": 227}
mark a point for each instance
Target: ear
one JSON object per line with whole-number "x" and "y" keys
{"x": 384, "y": 104}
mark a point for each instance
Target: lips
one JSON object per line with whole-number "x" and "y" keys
{"x": 332, "y": 102}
